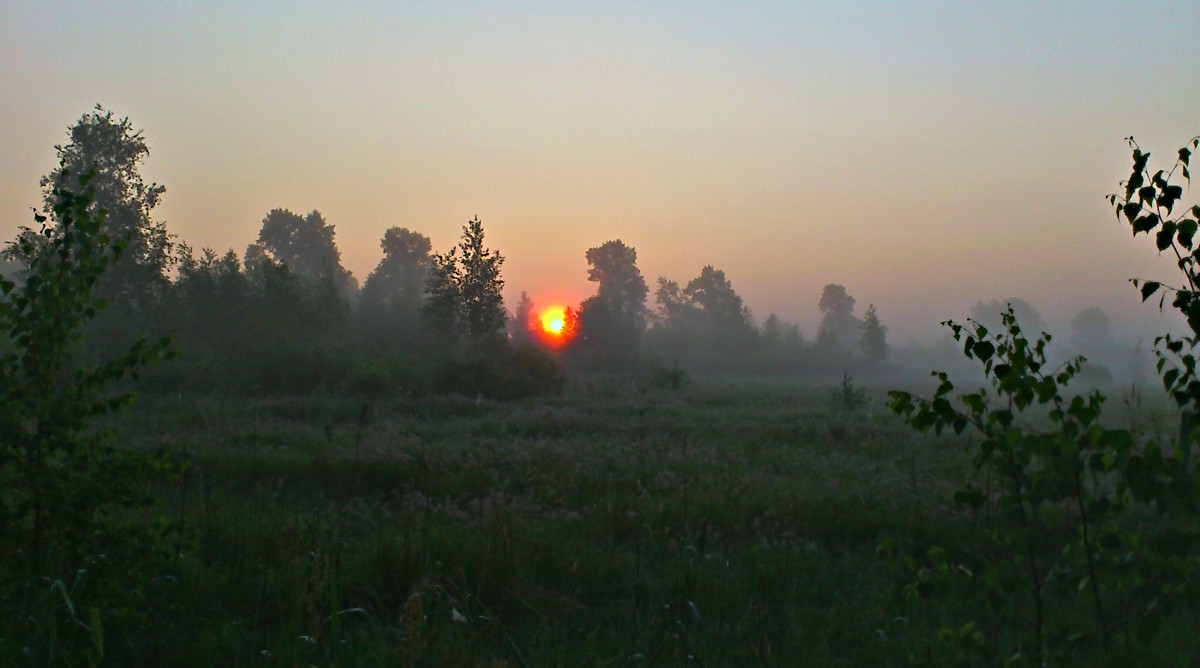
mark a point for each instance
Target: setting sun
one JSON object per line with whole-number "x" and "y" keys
{"x": 553, "y": 320}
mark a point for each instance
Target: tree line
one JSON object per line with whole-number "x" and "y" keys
{"x": 286, "y": 316}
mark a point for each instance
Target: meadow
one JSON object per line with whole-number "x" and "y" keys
{"x": 726, "y": 523}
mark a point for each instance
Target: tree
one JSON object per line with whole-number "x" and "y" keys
{"x": 719, "y": 309}
{"x": 1090, "y": 329}
{"x": 522, "y": 324}
{"x": 1092, "y": 529}
{"x": 305, "y": 244}
{"x": 70, "y": 499}
{"x": 395, "y": 290}
{"x": 839, "y": 329}
{"x": 772, "y": 332}
{"x": 672, "y": 310}
{"x": 874, "y": 336}
{"x": 112, "y": 152}
{"x": 464, "y": 290}
{"x": 614, "y": 266}
{"x": 611, "y": 321}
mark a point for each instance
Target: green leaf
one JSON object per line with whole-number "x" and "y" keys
{"x": 1149, "y": 288}
{"x": 984, "y": 350}
{"x": 1165, "y": 236}
{"x": 1145, "y": 223}
{"x": 1186, "y": 230}
{"x": 1131, "y": 211}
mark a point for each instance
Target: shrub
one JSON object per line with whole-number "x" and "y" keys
{"x": 847, "y": 397}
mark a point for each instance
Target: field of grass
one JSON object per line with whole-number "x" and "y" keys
{"x": 724, "y": 524}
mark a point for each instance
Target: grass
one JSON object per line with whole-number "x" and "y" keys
{"x": 716, "y": 525}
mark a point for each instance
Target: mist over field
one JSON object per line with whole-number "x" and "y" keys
{"x": 388, "y": 334}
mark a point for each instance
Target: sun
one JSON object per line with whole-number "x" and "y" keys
{"x": 554, "y": 320}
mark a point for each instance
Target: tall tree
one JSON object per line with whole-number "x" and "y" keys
{"x": 719, "y": 309}
{"x": 611, "y": 321}
{"x": 114, "y": 152}
{"x": 396, "y": 288}
{"x": 522, "y": 324}
{"x": 672, "y": 310}
{"x": 464, "y": 290}
{"x": 1091, "y": 329}
{"x": 614, "y": 266}
{"x": 874, "y": 336}
{"x": 839, "y": 329}
{"x": 305, "y": 244}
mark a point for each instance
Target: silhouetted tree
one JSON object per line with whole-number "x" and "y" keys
{"x": 391, "y": 298}
{"x": 874, "y": 336}
{"x": 614, "y": 266}
{"x": 718, "y": 308}
{"x": 114, "y": 152}
{"x": 672, "y": 309}
{"x": 305, "y": 244}
{"x": 211, "y": 310}
{"x": 782, "y": 344}
{"x": 778, "y": 334}
{"x": 464, "y": 290}
{"x": 611, "y": 322}
{"x": 839, "y": 329}
{"x": 570, "y": 323}
{"x": 772, "y": 332}
{"x": 523, "y": 326}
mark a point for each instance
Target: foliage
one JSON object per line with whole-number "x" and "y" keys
{"x": 502, "y": 373}
{"x": 524, "y": 325}
{"x": 874, "y": 336}
{"x": 113, "y": 152}
{"x": 718, "y": 308}
{"x": 304, "y": 244}
{"x": 64, "y": 491}
{"x": 1148, "y": 204}
{"x": 705, "y": 322}
{"x": 610, "y": 323}
{"x": 848, "y": 397}
{"x": 672, "y": 377}
{"x": 839, "y": 329}
{"x": 671, "y": 305}
{"x": 614, "y": 266}
{"x": 464, "y": 291}
{"x": 1090, "y": 534}
{"x": 397, "y": 285}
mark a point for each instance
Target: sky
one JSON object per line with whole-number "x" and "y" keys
{"x": 927, "y": 156}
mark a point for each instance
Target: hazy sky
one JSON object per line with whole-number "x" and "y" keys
{"x": 926, "y": 156}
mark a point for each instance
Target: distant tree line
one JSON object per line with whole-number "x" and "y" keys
{"x": 286, "y": 316}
